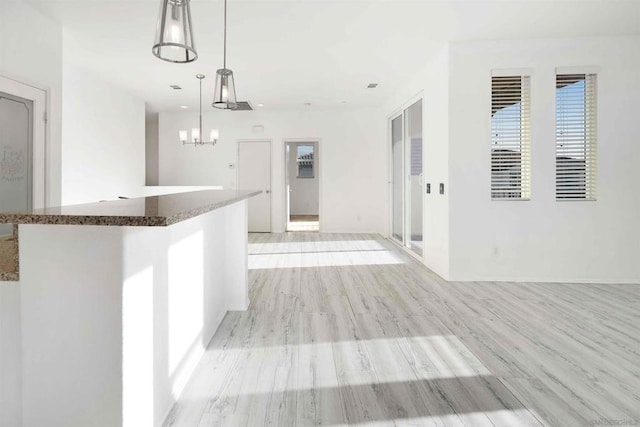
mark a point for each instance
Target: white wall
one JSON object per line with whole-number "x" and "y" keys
{"x": 30, "y": 52}
{"x": 542, "y": 239}
{"x": 305, "y": 192}
{"x": 352, "y": 160}
{"x": 103, "y": 153}
{"x": 431, "y": 83}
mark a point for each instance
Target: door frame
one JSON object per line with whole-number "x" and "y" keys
{"x": 41, "y": 154}
{"x": 390, "y": 119}
{"x": 400, "y": 111}
{"x": 258, "y": 140}
{"x": 318, "y": 170}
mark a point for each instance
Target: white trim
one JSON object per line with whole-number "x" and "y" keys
{"x": 407, "y": 250}
{"x": 587, "y": 69}
{"x": 507, "y": 72}
{"x": 317, "y": 171}
{"x": 389, "y": 142}
{"x": 412, "y": 100}
{"x": 534, "y": 279}
{"x": 41, "y": 149}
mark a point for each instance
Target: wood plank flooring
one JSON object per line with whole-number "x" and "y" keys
{"x": 349, "y": 330}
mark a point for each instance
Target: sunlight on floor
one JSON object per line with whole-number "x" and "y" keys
{"x": 303, "y": 226}
{"x": 315, "y": 246}
{"x": 323, "y": 259}
{"x": 320, "y": 254}
{"x": 434, "y": 357}
{"x": 324, "y": 376}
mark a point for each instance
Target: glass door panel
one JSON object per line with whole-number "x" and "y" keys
{"x": 413, "y": 170}
{"x": 397, "y": 178}
{"x": 15, "y": 155}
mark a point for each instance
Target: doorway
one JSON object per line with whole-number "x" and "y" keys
{"x": 254, "y": 173}
{"x": 407, "y": 178}
{"x": 302, "y": 186}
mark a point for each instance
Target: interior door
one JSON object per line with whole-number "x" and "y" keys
{"x": 254, "y": 173}
{"x": 16, "y": 155}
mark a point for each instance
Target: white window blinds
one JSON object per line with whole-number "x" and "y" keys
{"x": 576, "y": 136}
{"x": 510, "y": 138}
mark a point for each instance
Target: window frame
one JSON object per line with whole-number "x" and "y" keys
{"x": 312, "y": 161}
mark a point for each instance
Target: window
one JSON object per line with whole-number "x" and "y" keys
{"x": 510, "y": 138}
{"x": 576, "y": 137}
{"x": 304, "y": 159}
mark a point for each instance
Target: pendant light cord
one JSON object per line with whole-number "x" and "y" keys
{"x": 224, "y": 61}
{"x": 201, "y": 136}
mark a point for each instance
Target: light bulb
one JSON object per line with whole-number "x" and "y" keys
{"x": 213, "y": 136}
{"x": 195, "y": 134}
{"x": 183, "y": 136}
{"x": 174, "y": 33}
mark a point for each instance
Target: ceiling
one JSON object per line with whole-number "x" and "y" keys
{"x": 288, "y": 53}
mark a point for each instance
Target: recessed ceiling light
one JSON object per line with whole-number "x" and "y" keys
{"x": 184, "y": 107}
{"x": 261, "y": 105}
{"x": 372, "y": 85}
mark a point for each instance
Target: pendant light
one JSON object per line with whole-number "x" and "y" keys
{"x": 174, "y": 33}
{"x": 224, "y": 95}
{"x": 196, "y": 133}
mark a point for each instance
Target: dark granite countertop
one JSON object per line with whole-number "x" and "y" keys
{"x": 153, "y": 211}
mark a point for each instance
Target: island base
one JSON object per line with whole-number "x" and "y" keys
{"x": 114, "y": 319}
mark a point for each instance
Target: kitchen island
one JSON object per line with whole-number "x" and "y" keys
{"x": 119, "y": 300}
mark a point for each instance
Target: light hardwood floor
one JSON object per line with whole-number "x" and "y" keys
{"x": 347, "y": 329}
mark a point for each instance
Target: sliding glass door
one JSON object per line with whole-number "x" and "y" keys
{"x": 407, "y": 178}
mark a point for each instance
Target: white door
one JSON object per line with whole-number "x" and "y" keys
{"x": 254, "y": 173}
